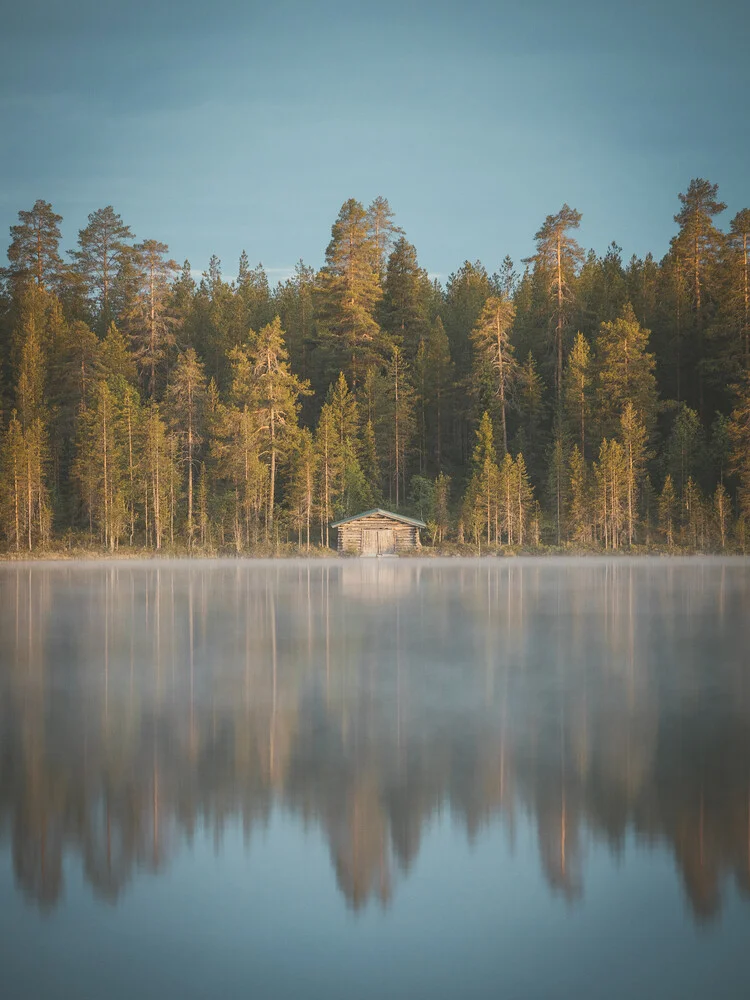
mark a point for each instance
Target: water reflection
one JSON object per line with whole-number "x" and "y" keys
{"x": 140, "y": 702}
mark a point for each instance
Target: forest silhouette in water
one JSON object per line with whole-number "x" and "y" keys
{"x": 142, "y": 703}
{"x": 571, "y": 399}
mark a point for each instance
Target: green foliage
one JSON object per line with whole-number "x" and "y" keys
{"x": 739, "y": 436}
{"x": 140, "y": 408}
{"x": 102, "y": 246}
{"x": 33, "y": 252}
{"x": 557, "y": 258}
{"x": 577, "y": 390}
{"x": 349, "y": 291}
{"x": 495, "y": 367}
{"x": 625, "y": 373}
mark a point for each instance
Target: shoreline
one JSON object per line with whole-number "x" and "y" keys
{"x": 326, "y": 556}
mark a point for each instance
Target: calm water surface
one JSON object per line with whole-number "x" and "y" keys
{"x": 375, "y": 779}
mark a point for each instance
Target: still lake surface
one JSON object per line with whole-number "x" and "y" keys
{"x": 375, "y": 778}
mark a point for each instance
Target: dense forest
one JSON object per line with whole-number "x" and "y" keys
{"x": 572, "y": 400}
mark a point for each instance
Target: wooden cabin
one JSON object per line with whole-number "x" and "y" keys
{"x": 377, "y": 533}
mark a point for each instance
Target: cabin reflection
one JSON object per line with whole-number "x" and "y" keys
{"x": 141, "y": 703}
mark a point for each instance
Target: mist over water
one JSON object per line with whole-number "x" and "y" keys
{"x": 375, "y": 778}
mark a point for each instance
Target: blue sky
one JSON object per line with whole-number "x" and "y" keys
{"x": 240, "y": 125}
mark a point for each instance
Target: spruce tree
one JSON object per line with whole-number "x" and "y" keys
{"x": 577, "y": 388}
{"x": 483, "y": 486}
{"x": 625, "y": 373}
{"x": 406, "y": 291}
{"x": 437, "y": 385}
{"x": 274, "y": 394}
{"x": 396, "y": 418}
{"x": 348, "y": 294}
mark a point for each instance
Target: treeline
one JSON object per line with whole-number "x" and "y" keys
{"x": 580, "y": 401}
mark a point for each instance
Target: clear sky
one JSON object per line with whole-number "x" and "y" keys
{"x": 218, "y": 126}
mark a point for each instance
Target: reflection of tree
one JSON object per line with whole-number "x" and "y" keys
{"x": 139, "y": 703}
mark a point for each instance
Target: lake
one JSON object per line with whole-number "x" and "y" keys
{"x": 375, "y": 778}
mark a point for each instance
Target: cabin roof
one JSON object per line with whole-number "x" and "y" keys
{"x": 384, "y": 513}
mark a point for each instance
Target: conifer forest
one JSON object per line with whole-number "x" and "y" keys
{"x": 566, "y": 401}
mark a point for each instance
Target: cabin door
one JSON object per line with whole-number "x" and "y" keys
{"x": 369, "y": 542}
{"x": 386, "y": 541}
{"x": 378, "y": 542}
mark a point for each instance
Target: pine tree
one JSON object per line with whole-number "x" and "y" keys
{"x": 556, "y": 259}
{"x": 186, "y": 397}
{"x": 633, "y": 432}
{"x": 406, "y": 292}
{"x": 610, "y": 477}
{"x": 33, "y": 252}
{"x": 159, "y": 475}
{"x": 293, "y": 300}
{"x": 397, "y": 423}
{"x": 506, "y": 499}
{"x": 115, "y": 362}
{"x": 577, "y": 388}
{"x": 254, "y": 295}
{"x": 698, "y": 245}
{"x": 738, "y": 245}
{"x": 98, "y": 468}
{"x": 466, "y": 292}
{"x": 579, "y": 502}
{"x": 34, "y": 421}
{"x": 381, "y": 230}
{"x": 437, "y": 386}
{"x": 302, "y": 486}
{"x": 204, "y": 524}
{"x": 739, "y": 436}
{"x": 151, "y": 320}
{"x": 486, "y": 476}
{"x": 345, "y": 413}
{"x": 684, "y": 454}
{"x": 133, "y": 434}
{"x": 530, "y": 437}
{"x": 235, "y": 451}
{"x": 275, "y": 394}
{"x": 693, "y": 520}
{"x": 442, "y": 506}
{"x": 557, "y": 479}
{"x": 698, "y": 240}
{"x": 12, "y": 467}
{"x": 524, "y": 497}
{"x": 102, "y": 244}
{"x": 625, "y": 373}
{"x": 495, "y": 363}
{"x": 667, "y": 509}
{"x": 329, "y": 462}
{"x": 721, "y": 513}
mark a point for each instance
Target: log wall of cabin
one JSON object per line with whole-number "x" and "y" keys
{"x": 350, "y": 535}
